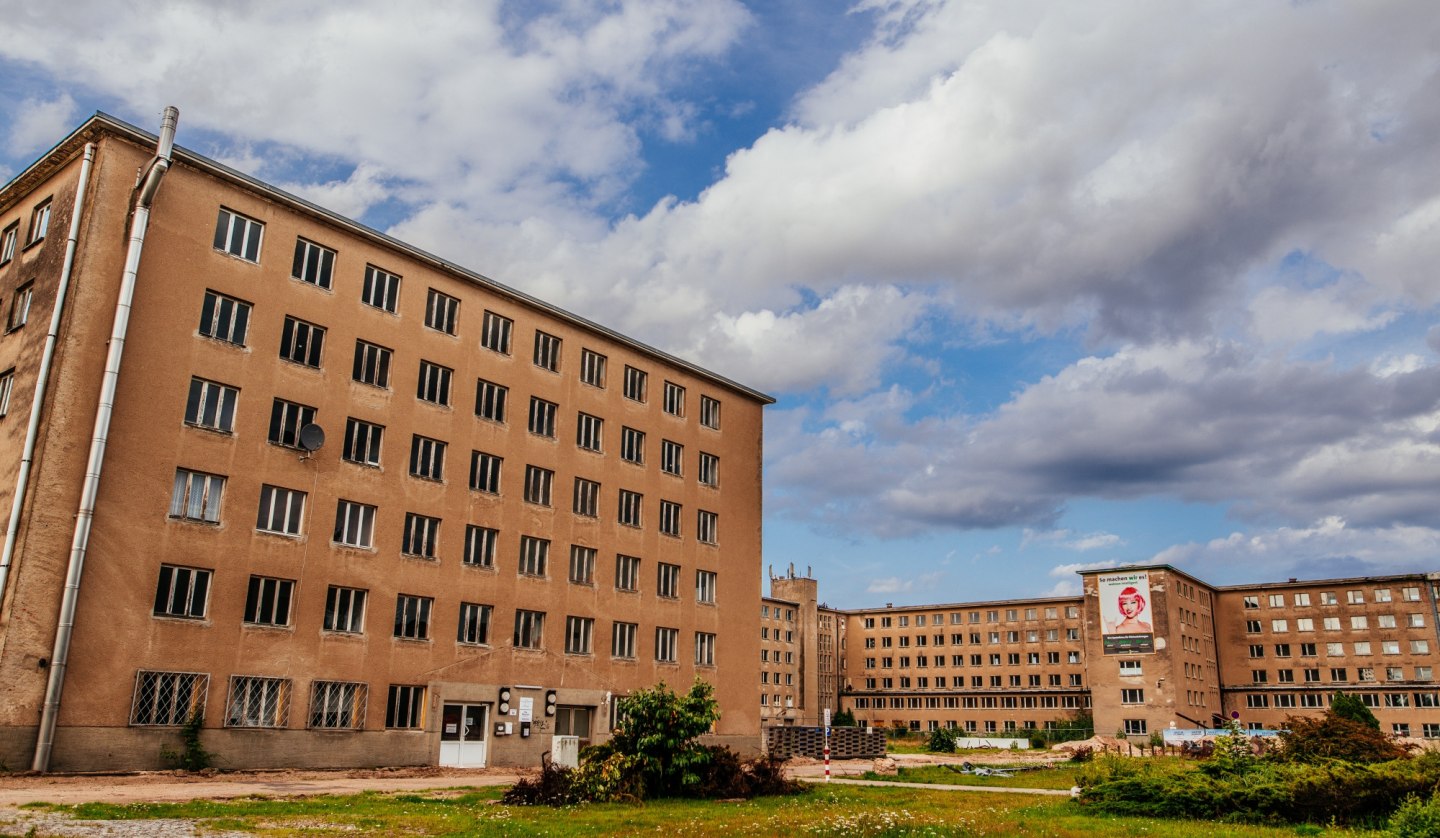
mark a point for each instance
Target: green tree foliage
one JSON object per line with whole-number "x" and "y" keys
{"x": 1350, "y": 706}
{"x": 844, "y": 718}
{"x": 1333, "y": 736}
{"x": 1232, "y": 751}
{"x": 1417, "y": 818}
{"x": 657, "y": 734}
{"x": 942, "y": 740}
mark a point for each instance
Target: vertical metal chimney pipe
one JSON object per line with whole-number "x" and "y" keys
{"x": 147, "y": 185}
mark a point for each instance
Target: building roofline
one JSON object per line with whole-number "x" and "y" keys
{"x": 891, "y": 609}
{"x": 1348, "y": 580}
{"x": 102, "y": 122}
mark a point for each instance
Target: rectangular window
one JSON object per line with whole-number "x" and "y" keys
{"x": 710, "y": 412}
{"x": 707, "y": 527}
{"x": 338, "y": 705}
{"x": 313, "y": 263}
{"x": 224, "y": 318}
{"x": 542, "y": 417}
{"x": 630, "y": 507}
{"x": 422, "y": 536}
{"x": 238, "y": 235}
{"x": 362, "y": 442}
{"x": 589, "y": 432}
{"x": 480, "y": 545}
{"x": 427, "y": 458}
{"x": 627, "y": 573}
{"x": 667, "y": 580}
{"x": 1417, "y": 647}
{"x": 582, "y": 565}
{"x": 7, "y": 384}
{"x": 592, "y": 368}
{"x": 434, "y": 384}
{"x": 345, "y": 610}
{"x": 258, "y": 702}
{"x": 20, "y": 306}
{"x": 286, "y": 420}
{"x": 281, "y": 510}
{"x": 372, "y": 364}
{"x": 538, "y": 482}
{"x": 547, "y": 351}
{"x": 632, "y": 445}
{"x": 709, "y": 469}
{"x": 196, "y": 496}
{"x": 672, "y": 457}
{"x": 381, "y": 289}
{"x": 529, "y": 629}
{"x": 495, "y": 332}
{"x": 578, "y": 632}
{"x": 666, "y": 639}
{"x": 442, "y": 311}
{"x": 1410, "y": 594}
{"x": 485, "y": 472}
{"x": 587, "y": 498}
{"x": 354, "y": 524}
{"x": 182, "y": 592}
{"x": 534, "y": 555}
{"x": 705, "y": 586}
{"x": 1302, "y": 600}
{"x": 301, "y": 342}
{"x": 490, "y": 400}
{"x": 267, "y": 601}
{"x": 412, "y": 616}
{"x": 635, "y": 382}
{"x": 168, "y": 698}
{"x": 474, "y": 625}
{"x": 7, "y": 242}
{"x": 674, "y": 399}
{"x": 705, "y": 649}
{"x": 1279, "y": 625}
{"x": 405, "y": 707}
{"x": 210, "y": 405}
{"x": 622, "y": 640}
{"x": 670, "y": 518}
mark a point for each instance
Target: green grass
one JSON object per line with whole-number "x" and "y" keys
{"x": 1061, "y": 777}
{"x": 829, "y": 811}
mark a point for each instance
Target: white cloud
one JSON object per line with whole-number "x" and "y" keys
{"x": 890, "y": 585}
{"x": 39, "y": 123}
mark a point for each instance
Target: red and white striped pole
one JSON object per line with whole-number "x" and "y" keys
{"x": 827, "y": 744}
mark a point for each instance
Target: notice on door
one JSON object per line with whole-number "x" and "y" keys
{"x": 527, "y": 709}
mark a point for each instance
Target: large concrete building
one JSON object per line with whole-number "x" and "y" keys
{"x": 1142, "y": 649}
{"x": 515, "y": 517}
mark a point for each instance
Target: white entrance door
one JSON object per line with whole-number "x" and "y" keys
{"x": 462, "y": 735}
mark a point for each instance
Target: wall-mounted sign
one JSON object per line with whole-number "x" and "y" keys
{"x": 1127, "y": 624}
{"x": 527, "y": 709}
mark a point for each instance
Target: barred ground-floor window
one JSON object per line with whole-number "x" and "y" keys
{"x": 258, "y": 702}
{"x": 168, "y": 698}
{"x": 338, "y": 705}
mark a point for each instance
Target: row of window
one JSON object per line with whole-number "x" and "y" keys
{"x": 1358, "y": 622}
{"x": 314, "y": 263}
{"x": 1395, "y": 700}
{"x": 976, "y": 638}
{"x": 1352, "y": 597}
{"x": 971, "y": 702}
{"x": 994, "y": 659}
{"x": 992, "y": 616}
{"x": 196, "y": 496}
{"x": 941, "y": 682}
{"x": 1341, "y": 674}
{"x": 35, "y": 233}
{"x": 1337, "y": 650}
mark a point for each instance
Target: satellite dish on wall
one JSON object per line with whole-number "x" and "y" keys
{"x": 312, "y": 436}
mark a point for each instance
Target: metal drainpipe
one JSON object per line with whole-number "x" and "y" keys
{"x": 148, "y": 183}
{"x": 42, "y": 379}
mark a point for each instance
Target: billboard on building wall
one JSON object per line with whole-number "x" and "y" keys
{"x": 1127, "y": 625}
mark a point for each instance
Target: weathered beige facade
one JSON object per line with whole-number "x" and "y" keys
{"x": 367, "y": 602}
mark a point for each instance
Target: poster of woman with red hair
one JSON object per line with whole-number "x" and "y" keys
{"x": 1127, "y": 625}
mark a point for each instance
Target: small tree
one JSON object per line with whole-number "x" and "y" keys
{"x": 1348, "y": 706}
{"x": 657, "y": 734}
{"x": 1333, "y": 736}
{"x": 1232, "y": 750}
{"x": 843, "y": 718}
{"x": 942, "y": 740}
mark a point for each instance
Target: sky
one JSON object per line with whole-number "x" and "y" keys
{"x": 1038, "y": 286}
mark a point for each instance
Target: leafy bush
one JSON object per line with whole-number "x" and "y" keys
{"x": 1333, "y": 736}
{"x": 1267, "y": 791}
{"x": 843, "y": 718}
{"x": 657, "y": 732}
{"x": 1348, "y": 706}
{"x": 1416, "y": 818}
{"x": 554, "y": 787}
{"x": 942, "y": 740}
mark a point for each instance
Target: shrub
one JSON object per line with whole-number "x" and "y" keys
{"x": 1333, "y": 736}
{"x": 1348, "y": 706}
{"x": 1084, "y": 753}
{"x": 844, "y": 718}
{"x": 1416, "y": 818}
{"x": 657, "y": 733}
{"x": 942, "y": 740}
{"x": 554, "y": 787}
